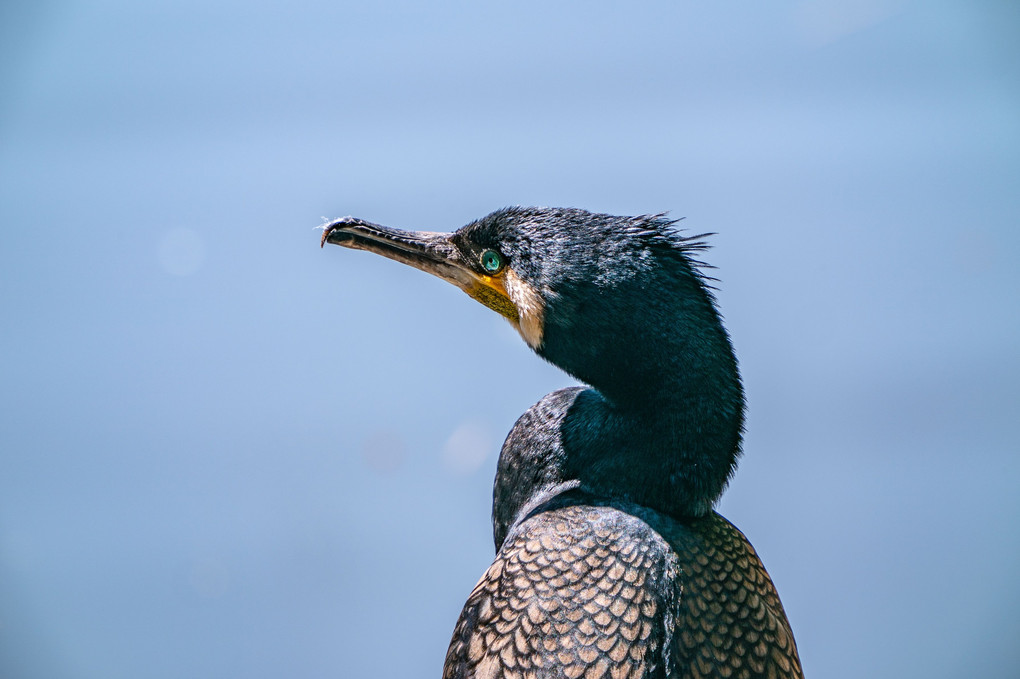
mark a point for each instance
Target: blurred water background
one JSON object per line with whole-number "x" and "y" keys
{"x": 225, "y": 452}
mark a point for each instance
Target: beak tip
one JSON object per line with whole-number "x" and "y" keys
{"x": 329, "y": 228}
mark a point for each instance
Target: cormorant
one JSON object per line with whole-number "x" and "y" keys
{"x": 610, "y": 559}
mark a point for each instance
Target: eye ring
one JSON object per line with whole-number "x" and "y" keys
{"x": 491, "y": 261}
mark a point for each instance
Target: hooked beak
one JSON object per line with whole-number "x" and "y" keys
{"x": 431, "y": 252}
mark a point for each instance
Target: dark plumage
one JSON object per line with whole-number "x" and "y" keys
{"x": 610, "y": 561}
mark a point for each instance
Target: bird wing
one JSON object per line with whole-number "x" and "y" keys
{"x": 730, "y": 622}
{"x": 577, "y": 591}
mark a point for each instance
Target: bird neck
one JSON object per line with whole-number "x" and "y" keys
{"x": 662, "y": 424}
{"x": 673, "y": 451}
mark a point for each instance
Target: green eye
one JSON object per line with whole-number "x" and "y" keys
{"x": 492, "y": 262}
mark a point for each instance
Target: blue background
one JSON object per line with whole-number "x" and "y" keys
{"x": 225, "y": 452}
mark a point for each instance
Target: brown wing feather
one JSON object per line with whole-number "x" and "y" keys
{"x": 730, "y": 622}
{"x": 572, "y": 593}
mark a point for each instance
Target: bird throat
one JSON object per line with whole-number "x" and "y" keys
{"x": 510, "y": 297}
{"x": 495, "y": 300}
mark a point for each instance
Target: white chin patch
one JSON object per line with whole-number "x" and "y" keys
{"x": 530, "y": 309}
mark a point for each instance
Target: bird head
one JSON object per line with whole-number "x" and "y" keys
{"x": 603, "y": 297}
